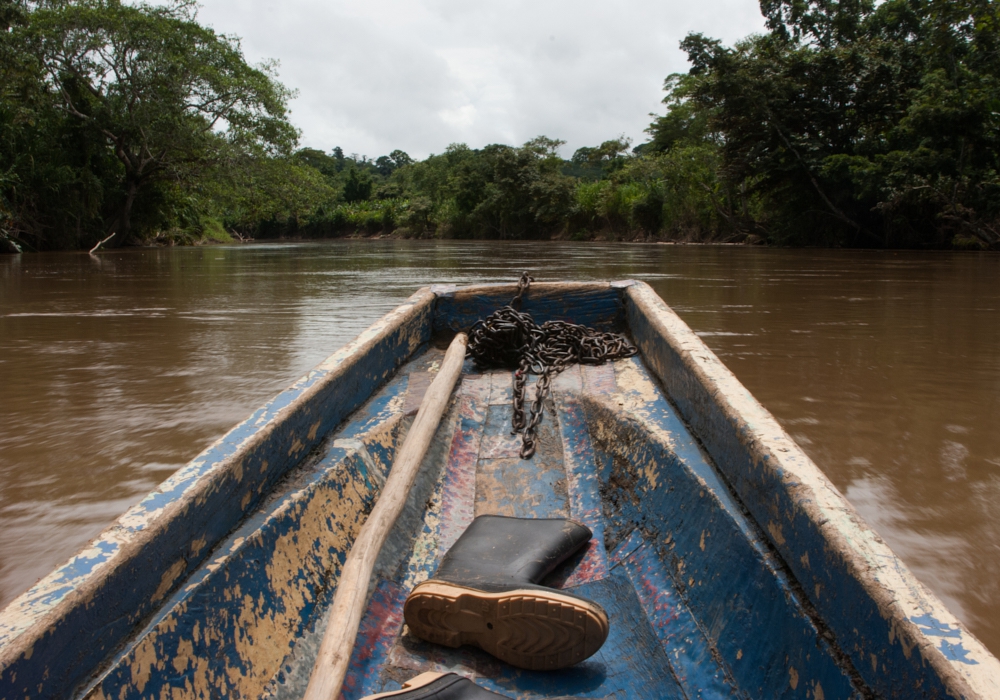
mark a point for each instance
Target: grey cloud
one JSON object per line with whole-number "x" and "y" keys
{"x": 420, "y": 74}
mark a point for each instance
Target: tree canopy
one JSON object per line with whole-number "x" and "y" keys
{"x": 125, "y": 101}
{"x": 846, "y": 123}
{"x": 857, "y": 123}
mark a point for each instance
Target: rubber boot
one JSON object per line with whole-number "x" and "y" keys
{"x": 439, "y": 686}
{"x": 486, "y": 593}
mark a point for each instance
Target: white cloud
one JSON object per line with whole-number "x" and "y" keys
{"x": 419, "y": 74}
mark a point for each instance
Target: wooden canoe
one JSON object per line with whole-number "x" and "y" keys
{"x": 729, "y": 565}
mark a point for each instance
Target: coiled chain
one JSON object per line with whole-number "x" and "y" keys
{"x": 509, "y": 338}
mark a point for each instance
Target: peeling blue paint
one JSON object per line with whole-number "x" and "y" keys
{"x": 208, "y": 587}
{"x": 598, "y": 305}
{"x": 826, "y": 546}
{"x": 955, "y": 652}
{"x": 689, "y": 651}
{"x": 202, "y": 502}
{"x": 720, "y": 567}
{"x": 934, "y": 628}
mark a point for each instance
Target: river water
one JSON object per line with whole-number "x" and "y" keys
{"x": 885, "y": 367}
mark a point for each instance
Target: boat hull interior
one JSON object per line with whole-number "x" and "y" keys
{"x": 704, "y": 597}
{"x": 611, "y": 454}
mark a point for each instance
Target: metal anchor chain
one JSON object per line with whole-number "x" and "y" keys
{"x": 509, "y": 338}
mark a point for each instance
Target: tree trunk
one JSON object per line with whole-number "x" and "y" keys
{"x": 123, "y": 223}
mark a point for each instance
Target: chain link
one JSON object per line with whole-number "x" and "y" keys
{"x": 509, "y": 338}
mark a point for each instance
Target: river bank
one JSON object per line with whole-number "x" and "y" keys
{"x": 405, "y": 234}
{"x": 606, "y": 236}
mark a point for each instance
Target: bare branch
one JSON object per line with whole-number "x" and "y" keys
{"x": 102, "y": 242}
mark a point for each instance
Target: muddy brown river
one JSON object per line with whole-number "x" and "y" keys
{"x": 885, "y": 367}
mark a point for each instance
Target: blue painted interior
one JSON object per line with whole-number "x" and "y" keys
{"x": 698, "y": 673}
{"x": 735, "y": 632}
{"x": 517, "y": 487}
{"x": 82, "y": 639}
{"x": 700, "y": 605}
{"x": 207, "y": 601}
{"x": 601, "y": 308}
{"x": 843, "y": 602}
{"x": 654, "y": 483}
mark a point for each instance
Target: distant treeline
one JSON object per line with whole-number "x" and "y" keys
{"x": 850, "y": 123}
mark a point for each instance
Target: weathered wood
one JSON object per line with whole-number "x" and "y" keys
{"x": 58, "y": 633}
{"x": 596, "y": 304}
{"x": 352, "y": 590}
{"x": 902, "y": 639}
{"x": 661, "y": 472}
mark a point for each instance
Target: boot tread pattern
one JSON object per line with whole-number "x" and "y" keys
{"x": 526, "y": 628}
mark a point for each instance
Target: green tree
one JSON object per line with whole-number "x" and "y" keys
{"x": 12, "y": 16}
{"x": 165, "y": 96}
{"x": 327, "y": 165}
{"x": 596, "y": 162}
{"x": 358, "y": 186}
{"x": 338, "y": 154}
{"x": 248, "y": 193}
{"x": 387, "y": 165}
{"x": 858, "y": 123}
{"x": 505, "y": 192}
{"x": 685, "y": 123}
{"x": 400, "y": 158}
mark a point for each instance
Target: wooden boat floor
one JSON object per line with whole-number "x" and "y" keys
{"x": 655, "y": 648}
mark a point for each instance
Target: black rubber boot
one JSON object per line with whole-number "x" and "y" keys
{"x": 486, "y": 593}
{"x": 439, "y": 686}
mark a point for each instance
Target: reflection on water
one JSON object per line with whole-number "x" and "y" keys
{"x": 885, "y": 367}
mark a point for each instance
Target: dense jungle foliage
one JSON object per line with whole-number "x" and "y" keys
{"x": 848, "y": 123}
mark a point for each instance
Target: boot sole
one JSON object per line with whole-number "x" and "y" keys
{"x": 527, "y": 628}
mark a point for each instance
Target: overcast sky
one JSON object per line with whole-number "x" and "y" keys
{"x": 376, "y": 75}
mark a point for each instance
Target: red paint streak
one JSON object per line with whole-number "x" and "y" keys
{"x": 593, "y": 566}
{"x": 377, "y": 633}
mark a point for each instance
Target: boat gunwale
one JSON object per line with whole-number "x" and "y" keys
{"x": 506, "y": 289}
{"x": 694, "y": 376}
{"x": 71, "y": 588}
